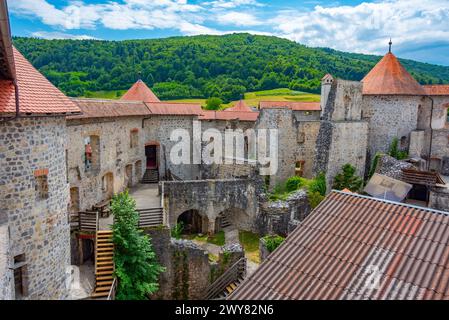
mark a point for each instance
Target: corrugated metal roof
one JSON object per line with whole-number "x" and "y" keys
{"x": 389, "y": 77}
{"x": 140, "y": 92}
{"x": 92, "y": 108}
{"x": 426, "y": 178}
{"x": 37, "y": 95}
{"x": 295, "y": 106}
{"x": 356, "y": 247}
{"x": 437, "y": 90}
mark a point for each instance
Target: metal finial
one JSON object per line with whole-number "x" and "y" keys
{"x": 390, "y": 44}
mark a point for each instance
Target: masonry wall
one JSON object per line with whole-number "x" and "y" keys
{"x": 159, "y": 129}
{"x": 390, "y": 117}
{"x": 212, "y": 197}
{"x": 6, "y": 275}
{"x": 115, "y": 154}
{"x": 39, "y": 227}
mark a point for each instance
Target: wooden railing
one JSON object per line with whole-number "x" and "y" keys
{"x": 112, "y": 292}
{"x": 151, "y": 217}
{"x": 234, "y": 274}
{"x": 88, "y": 221}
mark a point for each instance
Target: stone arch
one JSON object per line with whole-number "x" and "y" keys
{"x": 138, "y": 170}
{"x": 107, "y": 185}
{"x": 193, "y": 222}
{"x": 129, "y": 175}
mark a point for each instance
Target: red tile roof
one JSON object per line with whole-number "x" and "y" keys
{"x": 140, "y": 92}
{"x": 229, "y": 115}
{"x": 239, "y": 106}
{"x": 295, "y": 106}
{"x": 172, "y": 108}
{"x": 92, "y": 108}
{"x": 389, "y": 77}
{"x": 36, "y": 94}
{"x": 437, "y": 90}
{"x": 348, "y": 241}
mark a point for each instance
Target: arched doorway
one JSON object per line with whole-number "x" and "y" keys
{"x": 107, "y": 185}
{"x": 151, "y": 154}
{"x": 193, "y": 222}
{"x": 234, "y": 218}
{"x": 129, "y": 175}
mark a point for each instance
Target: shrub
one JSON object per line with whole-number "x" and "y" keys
{"x": 395, "y": 152}
{"x": 318, "y": 185}
{"x": 294, "y": 183}
{"x": 213, "y": 103}
{"x": 272, "y": 242}
{"x": 347, "y": 179}
{"x": 176, "y": 232}
{"x": 136, "y": 266}
{"x": 374, "y": 164}
{"x": 315, "y": 199}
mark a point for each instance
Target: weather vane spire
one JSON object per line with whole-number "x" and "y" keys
{"x": 390, "y": 44}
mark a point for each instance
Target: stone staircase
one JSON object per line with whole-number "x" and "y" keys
{"x": 150, "y": 176}
{"x": 104, "y": 264}
{"x": 224, "y": 222}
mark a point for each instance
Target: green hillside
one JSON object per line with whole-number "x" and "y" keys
{"x": 201, "y": 66}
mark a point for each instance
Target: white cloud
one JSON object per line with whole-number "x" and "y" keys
{"x": 228, "y": 4}
{"x": 367, "y": 27}
{"x": 61, "y": 35}
{"x": 238, "y": 19}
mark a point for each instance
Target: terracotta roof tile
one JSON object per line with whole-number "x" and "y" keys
{"x": 140, "y": 92}
{"x": 229, "y": 115}
{"x": 172, "y": 108}
{"x": 239, "y": 106}
{"x": 437, "y": 90}
{"x": 389, "y": 77}
{"x": 92, "y": 108}
{"x": 36, "y": 94}
{"x": 333, "y": 253}
{"x": 295, "y": 106}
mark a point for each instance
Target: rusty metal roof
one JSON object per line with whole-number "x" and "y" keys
{"x": 93, "y": 108}
{"x": 426, "y": 178}
{"x": 389, "y": 77}
{"x": 295, "y": 106}
{"x": 356, "y": 247}
{"x": 140, "y": 92}
{"x": 437, "y": 90}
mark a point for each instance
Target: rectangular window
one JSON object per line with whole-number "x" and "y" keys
{"x": 41, "y": 184}
{"x": 19, "y": 268}
{"x": 134, "y": 138}
{"x": 299, "y": 170}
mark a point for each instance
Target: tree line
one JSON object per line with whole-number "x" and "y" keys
{"x": 200, "y": 66}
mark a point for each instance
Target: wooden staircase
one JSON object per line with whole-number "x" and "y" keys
{"x": 150, "y": 176}
{"x": 104, "y": 264}
{"x": 227, "y": 282}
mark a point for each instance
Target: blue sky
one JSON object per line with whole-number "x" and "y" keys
{"x": 420, "y": 29}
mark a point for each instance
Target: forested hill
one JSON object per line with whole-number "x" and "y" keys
{"x": 200, "y": 66}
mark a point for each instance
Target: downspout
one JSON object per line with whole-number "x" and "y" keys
{"x": 431, "y": 132}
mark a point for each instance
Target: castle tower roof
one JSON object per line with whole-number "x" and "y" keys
{"x": 240, "y": 106}
{"x": 389, "y": 77}
{"x": 140, "y": 92}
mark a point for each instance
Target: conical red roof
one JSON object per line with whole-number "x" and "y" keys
{"x": 389, "y": 77}
{"x": 240, "y": 106}
{"x": 140, "y": 92}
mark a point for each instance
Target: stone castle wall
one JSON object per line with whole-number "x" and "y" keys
{"x": 39, "y": 226}
{"x": 390, "y": 117}
{"x": 6, "y": 276}
{"x": 115, "y": 155}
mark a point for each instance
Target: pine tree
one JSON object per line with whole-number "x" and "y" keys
{"x": 347, "y": 179}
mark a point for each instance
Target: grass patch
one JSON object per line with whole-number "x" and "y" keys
{"x": 113, "y": 94}
{"x": 250, "y": 243}
{"x": 217, "y": 239}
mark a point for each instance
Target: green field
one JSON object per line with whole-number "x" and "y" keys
{"x": 251, "y": 98}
